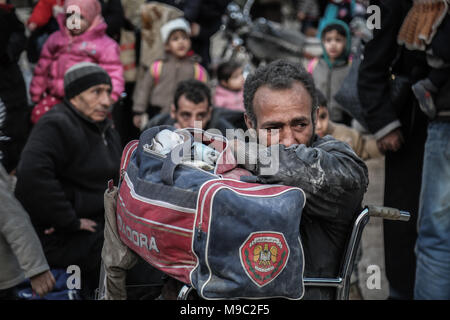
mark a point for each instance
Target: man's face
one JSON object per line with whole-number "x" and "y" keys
{"x": 179, "y": 43}
{"x": 188, "y": 112}
{"x": 285, "y": 110}
{"x": 94, "y": 102}
{"x": 322, "y": 122}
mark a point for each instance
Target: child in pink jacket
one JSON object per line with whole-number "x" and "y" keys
{"x": 42, "y": 13}
{"x": 78, "y": 40}
{"x": 229, "y": 90}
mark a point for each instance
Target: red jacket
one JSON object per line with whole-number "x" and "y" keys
{"x": 43, "y": 11}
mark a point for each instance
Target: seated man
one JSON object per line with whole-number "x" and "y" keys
{"x": 192, "y": 103}
{"x": 281, "y": 104}
{"x": 71, "y": 154}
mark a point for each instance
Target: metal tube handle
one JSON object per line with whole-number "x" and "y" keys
{"x": 388, "y": 213}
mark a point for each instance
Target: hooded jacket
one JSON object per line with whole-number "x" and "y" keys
{"x": 64, "y": 170}
{"x": 328, "y": 76}
{"x": 62, "y": 50}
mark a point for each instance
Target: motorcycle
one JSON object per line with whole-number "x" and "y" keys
{"x": 261, "y": 40}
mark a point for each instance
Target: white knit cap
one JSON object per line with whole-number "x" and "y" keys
{"x": 173, "y": 25}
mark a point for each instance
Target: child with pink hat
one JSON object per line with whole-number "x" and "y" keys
{"x": 82, "y": 37}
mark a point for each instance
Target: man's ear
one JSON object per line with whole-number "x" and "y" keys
{"x": 317, "y": 116}
{"x": 173, "y": 111}
{"x": 208, "y": 115}
{"x": 75, "y": 101}
{"x": 248, "y": 122}
{"x": 223, "y": 83}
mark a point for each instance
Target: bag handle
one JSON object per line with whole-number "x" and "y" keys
{"x": 173, "y": 159}
{"x": 147, "y": 136}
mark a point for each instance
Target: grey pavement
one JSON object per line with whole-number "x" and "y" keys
{"x": 372, "y": 239}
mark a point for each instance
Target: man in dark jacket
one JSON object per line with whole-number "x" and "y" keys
{"x": 14, "y": 110}
{"x": 400, "y": 129}
{"x": 71, "y": 154}
{"x": 280, "y": 102}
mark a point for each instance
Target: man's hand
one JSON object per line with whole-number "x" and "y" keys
{"x": 195, "y": 29}
{"x": 301, "y": 15}
{"x": 137, "y": 120}
{"x": 87, "y": 224}
{"x": 245, "y": 154}
{"x": 49, "y": 231}
{"x": 43, "y": 283}
{"x": 32, "y": 26}
{"x": 391, "y": 142}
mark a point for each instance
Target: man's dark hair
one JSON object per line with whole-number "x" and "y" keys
{"x": 280, "y": 74}
{"x": 321, "y": 99}
{"x": 226, "y": 69}
{"x": 340, "y": 30}
{"x": 193, "y": 90}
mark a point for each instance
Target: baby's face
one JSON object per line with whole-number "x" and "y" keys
{"x": 236, "y": 81}
{"x": 76, "y": 24}
{"x": 334, "y": 44}
{"x": 322, "y": 122}
{"x": 179, "y": 43}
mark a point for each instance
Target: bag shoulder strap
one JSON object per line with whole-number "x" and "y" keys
{"x": 155, "y": 70}
{"x": 126, "y": 154}
{"x": 312, "y": 65}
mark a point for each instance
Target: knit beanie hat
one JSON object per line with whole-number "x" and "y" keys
{"x": 173, "y": 25}
{"x": 89, "y": 9}
{"x": 82, "y": 76}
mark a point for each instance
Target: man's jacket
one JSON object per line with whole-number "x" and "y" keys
{"x": 65, "y": 168}
{"x": 334, "y": 180}
{"x": 21, "y": 253}
{"x": 380, "y": 55}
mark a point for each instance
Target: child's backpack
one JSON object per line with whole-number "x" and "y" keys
{"x": 156, "y": 69}
{"x": 312, "y": 65}
{"x": 225, "y": 237}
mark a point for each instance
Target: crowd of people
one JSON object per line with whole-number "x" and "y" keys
{"x": 103, "y": 71}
